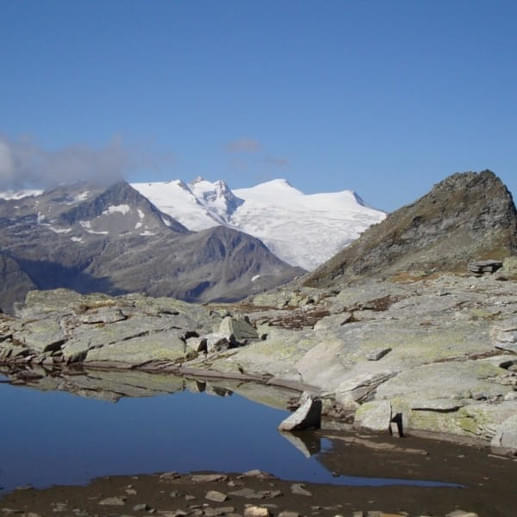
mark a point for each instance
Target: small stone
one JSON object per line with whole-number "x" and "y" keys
{"x": 288, "y": 513}
{"x": 113, "y": 501}
{"x": 298, "y": 489}
{"x": 216, "y": 512}
{"x": 461, "y": 513}
{"x": 395, "y": 429}
{"x": 256, "y": 511}
{"x": 142, "y": 507}
{"x": 256, "y": 473}
{"x": 247, "y": 493}
{"x": 60, "y": 507}
{"x": 175, "y": 493}
{"x": 189, "y": 497}
{"x": 215, "y": 496}
{"x": 130, "y": 491}
{"x": 167, "y": 476}
{"x": 208, "y": 478}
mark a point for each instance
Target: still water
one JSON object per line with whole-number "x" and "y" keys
{"x": 54, "y": 437}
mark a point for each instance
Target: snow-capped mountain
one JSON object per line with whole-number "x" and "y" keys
{"x": 112, "y": 239}
{"x": 302, "y": 229}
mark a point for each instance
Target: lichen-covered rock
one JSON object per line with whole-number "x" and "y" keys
{"x": 509, "y": 269}
{"x": 374, "y": 415}
{"x": 240, "y": 329}
{"x": 164, "y": 346}
{"x": 504, "y": 335}
{"x": 42, "y": 335}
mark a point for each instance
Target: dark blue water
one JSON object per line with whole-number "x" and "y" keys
{"x": 51, "y": 438}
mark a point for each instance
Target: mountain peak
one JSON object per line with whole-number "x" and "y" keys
{"x": 467, "y": 216}
{"x": 278, "y": 183}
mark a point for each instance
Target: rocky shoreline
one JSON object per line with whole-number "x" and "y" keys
{"x": 251, "y": 494}
{"x": 434, "y": 353}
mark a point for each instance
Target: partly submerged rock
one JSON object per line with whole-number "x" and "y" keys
{"x": 307, "y": 416}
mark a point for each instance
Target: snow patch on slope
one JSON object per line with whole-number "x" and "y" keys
{"x": 19, "y": 194}
{"x": 117, "y": 209}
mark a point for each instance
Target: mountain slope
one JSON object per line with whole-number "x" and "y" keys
{"x": 113, "y": 240}
{"x": 303, "y": 230}
{"x": 468, "y": 216}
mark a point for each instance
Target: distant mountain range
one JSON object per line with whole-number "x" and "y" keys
{"x": 303, "y": 230}
{"x": 114, "y": 240}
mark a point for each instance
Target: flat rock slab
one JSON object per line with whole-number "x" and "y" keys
{"x": 164, "y": 346}
{"x": 215, "y": 496}
{"x": 42, "y": 335}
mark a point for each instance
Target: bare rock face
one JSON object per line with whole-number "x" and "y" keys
{"x": 465, "y": 218}
{"x": 14, "y": 282}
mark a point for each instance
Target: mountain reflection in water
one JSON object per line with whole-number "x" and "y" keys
{"x": 54, "y": 437}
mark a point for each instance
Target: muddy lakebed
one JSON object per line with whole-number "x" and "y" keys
{"x": 88, "y": 433}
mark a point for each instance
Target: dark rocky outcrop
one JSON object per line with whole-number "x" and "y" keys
{"x": 466, "y": 217}
{"x": 14, "y": 282}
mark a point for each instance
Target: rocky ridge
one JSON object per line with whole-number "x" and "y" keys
{"x": 467, "y": 216}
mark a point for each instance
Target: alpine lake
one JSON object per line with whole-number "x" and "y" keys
{"x": 73, "y": 427}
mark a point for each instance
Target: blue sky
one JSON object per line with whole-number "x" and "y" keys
{"x": 382, "y": 97}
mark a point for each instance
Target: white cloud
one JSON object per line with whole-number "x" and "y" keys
{"x": 24, "y": 163}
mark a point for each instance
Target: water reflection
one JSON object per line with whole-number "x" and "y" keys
{"x": 55, "y": 437}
